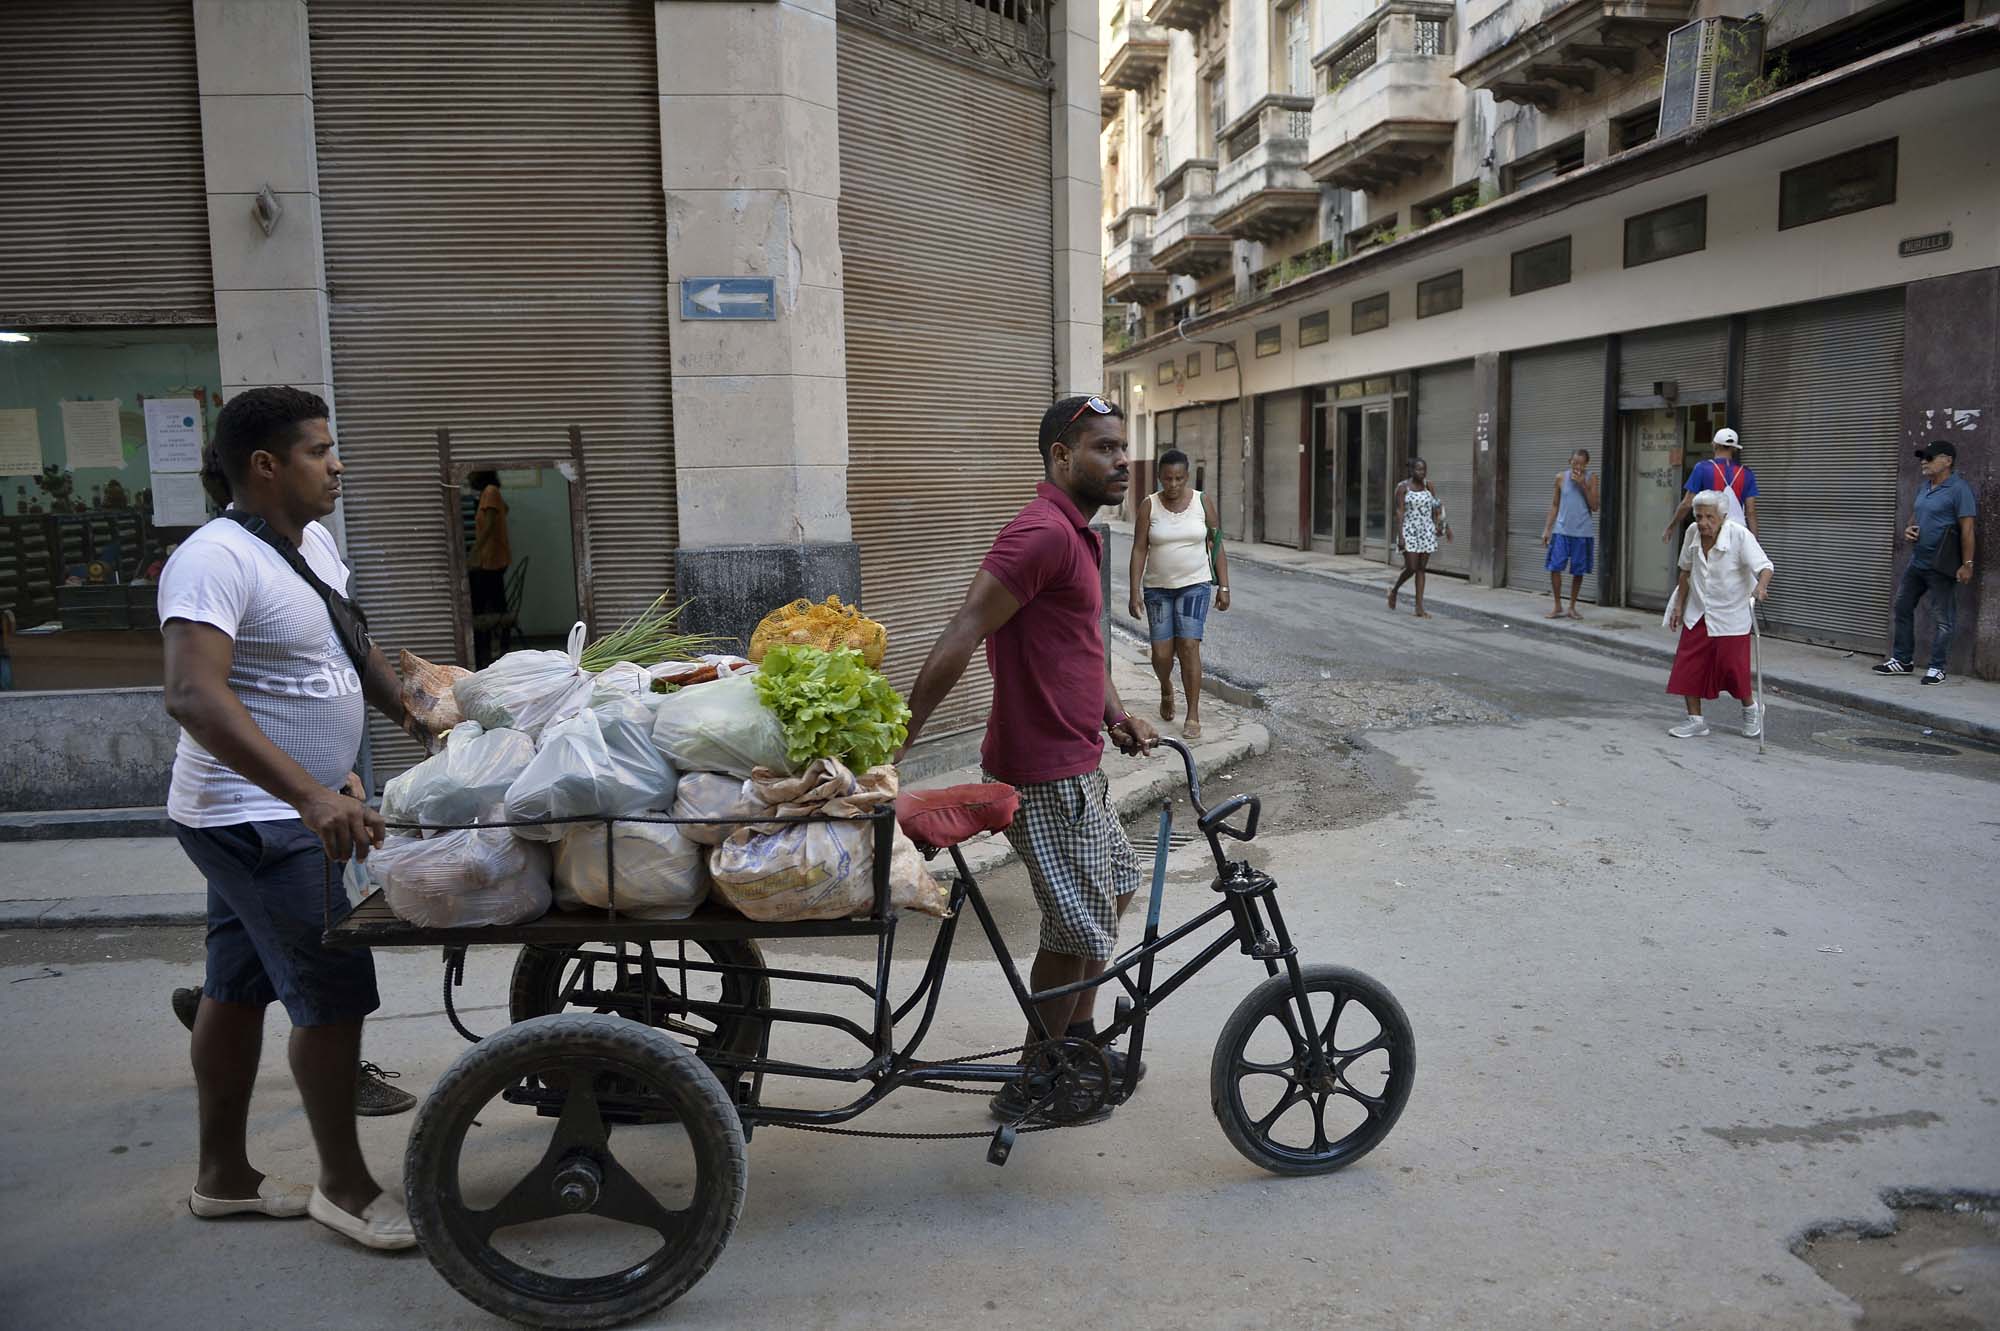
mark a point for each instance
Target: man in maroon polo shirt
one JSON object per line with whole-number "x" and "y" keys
{"x": 1037, "y": 603}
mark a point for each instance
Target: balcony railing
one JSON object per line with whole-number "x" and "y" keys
{"x": 1263, "y": 192}
{"x": 1137, "y": 54}
{"x": 1320, "y": 257}
{"x": 1388, "y": 110}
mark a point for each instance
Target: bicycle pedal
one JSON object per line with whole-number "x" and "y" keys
{"x": 1002, "y": 1145}
{"x": 1121, "y": 1010}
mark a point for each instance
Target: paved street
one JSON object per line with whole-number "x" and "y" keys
{"x": 1675, "y": 1004}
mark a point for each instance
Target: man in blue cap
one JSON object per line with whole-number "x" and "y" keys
{"x": 1941, "y": 526}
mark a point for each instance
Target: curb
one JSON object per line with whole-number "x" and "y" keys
{"x": 1130, "y": 794}
{"x": 1784, "y": 685}
{"x": 1230, "y": 688}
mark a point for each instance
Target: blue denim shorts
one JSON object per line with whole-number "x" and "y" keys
{"x": 1178, "y": 612}
{"x": 1570, "y": 552}
{"x": 266, "y": 912}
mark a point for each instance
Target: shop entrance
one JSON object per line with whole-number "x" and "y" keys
{"x": 1366, "y": 482}
{"x": 1661, "y": 447}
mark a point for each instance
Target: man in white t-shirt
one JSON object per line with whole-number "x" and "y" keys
{"x": 271, "y": 708}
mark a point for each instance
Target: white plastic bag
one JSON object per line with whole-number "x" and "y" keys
{"x": 660, "y": 874}
{"x": 461, "y": 880}
{"x": 599, "y": 762}
{"x": 721, "y": 726}
{"x": 465, "y": 783}
{"x": 821, "y": 871}
{"x": 713, "y": 795}
{"x": 622, "y": 678}
{"x": 528, "y": 691}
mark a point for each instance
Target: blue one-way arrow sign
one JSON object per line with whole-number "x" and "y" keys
{"x": 729, "y": 298}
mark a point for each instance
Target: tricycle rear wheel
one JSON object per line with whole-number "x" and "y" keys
{"x": 1292, "y": 1113}
{"x": 590, "y": 1058}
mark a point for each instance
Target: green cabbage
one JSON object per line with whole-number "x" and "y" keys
{"x": 832, "y": 705}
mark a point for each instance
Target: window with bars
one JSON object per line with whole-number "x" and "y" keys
{"x": 1432, "y": 36}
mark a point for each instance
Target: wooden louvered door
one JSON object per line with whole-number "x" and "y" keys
{"x": 496, "y": 265}
{"x": 945, "y": 230}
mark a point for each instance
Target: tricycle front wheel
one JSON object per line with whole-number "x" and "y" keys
{"x": 1312, "y": 1092}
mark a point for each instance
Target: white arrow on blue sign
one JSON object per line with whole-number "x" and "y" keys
{"x": 729, "y": 298}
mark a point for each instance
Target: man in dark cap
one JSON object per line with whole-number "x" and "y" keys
{"x": 1941, "y": 527}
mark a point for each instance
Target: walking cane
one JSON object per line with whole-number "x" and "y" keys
{"x": 1757, "y": 662}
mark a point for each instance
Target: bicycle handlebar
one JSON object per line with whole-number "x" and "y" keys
{"x": 1193, "y": 777}
{"x": 1215, "y": 819}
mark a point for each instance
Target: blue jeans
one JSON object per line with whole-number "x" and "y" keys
{"x": 1943, "y": 592}
{"x": 1178, "y": 612}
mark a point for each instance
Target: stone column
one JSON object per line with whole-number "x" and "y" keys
{"x": 255, "y": 75}
{"x": 750, "y": 161}
{"x": 1488, "y": 528}
{"x": 1079, "y": 230}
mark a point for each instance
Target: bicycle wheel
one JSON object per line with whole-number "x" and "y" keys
{"x": 547, "y": 1227}
{"x": 1275, "y": 1109}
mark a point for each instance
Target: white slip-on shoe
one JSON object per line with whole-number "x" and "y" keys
{"x": 1692, "y": 728}
{"x": 383, "y": 1223}
{"x": 1753, "y": 719}
{"x": 275, "y": 1198}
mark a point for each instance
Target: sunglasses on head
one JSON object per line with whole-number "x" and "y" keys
{"x": 1096, "y": 404}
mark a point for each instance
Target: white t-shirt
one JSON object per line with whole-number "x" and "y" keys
{"x": 1720, "y": 581}
{"x": 288, "y": 667}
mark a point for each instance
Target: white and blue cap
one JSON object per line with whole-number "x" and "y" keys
{"x": 1726, "y": 438}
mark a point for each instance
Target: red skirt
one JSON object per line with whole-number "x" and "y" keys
{"x": 1706, "y": 667}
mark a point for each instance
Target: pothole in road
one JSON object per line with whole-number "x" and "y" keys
{"x": 1938, "y": 1269}
{"x": 1346, "y": 707}
{"x": 1876, "y": 743}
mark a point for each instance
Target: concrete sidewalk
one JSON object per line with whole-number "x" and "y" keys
{"x": 148, "y": 881}
{"x": 1960, "y": 706}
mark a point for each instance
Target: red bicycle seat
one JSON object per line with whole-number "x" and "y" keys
{"x": 941, "y": 819}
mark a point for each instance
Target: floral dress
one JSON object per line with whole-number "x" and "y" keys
{"x": 1421, "y": 510}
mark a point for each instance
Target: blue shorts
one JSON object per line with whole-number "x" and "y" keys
{"x": 266, "y": 912}
{"x": 1177, "y": 612}
{"x": 1573, "y": 551}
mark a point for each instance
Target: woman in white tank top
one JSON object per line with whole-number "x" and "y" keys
{"x": 1171, "y": 535}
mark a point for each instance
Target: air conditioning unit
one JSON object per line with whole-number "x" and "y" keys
{"x": 1708, "y": 62}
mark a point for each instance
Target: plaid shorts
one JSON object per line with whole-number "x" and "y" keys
{"x": 1079, "y": 860}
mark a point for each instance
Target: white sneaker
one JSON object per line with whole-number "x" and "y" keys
{"x": 383, "y": 1223}
{"x": 1692, "y": 728}
{"x": 1753, "y": 719}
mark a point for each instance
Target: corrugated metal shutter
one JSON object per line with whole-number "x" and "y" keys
{"x": 1278, "y": 434}
{"x": 103, "y": 205}
{"x": 1822, "y": 407}
{"x": 1196, "y": 434}
{"x": 1557, "y": 408}
{"x": 496, "y": 260}
{"x": 1444, "y": 441}
{"x": 1695, "y": 356}
{"x": 1234, "y": 509}
{"x": 946, "y": 239}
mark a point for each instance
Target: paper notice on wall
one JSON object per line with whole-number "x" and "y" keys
{"x": 173, "y": 434}
{"x": 91, "y": 434}
{"x": 178, "y": 499}
{"x": 20, "y": 443}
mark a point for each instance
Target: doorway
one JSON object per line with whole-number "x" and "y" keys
{"x": 1364, "y": 491}
{"x": 1661, "y": 447}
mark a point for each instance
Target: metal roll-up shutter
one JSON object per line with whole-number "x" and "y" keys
{"x": 1557, "y": 397}
{"x": 946, "y": 241}
{"x": 103, "y": 204}
{"x": 496, "y": 264}
{"x": 1822, "y": 407}
{"x": 1694, "y": 356}
{"x": 1278, "y": 438}
{"x": 1234, "y": 506}
{"x": 1445, "y": 431}
{"x": 1196, "y": 436}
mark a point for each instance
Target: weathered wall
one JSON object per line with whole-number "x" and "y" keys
{"x": 107, "y": 748}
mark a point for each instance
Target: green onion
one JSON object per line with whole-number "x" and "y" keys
{"x": 648, "y": 638}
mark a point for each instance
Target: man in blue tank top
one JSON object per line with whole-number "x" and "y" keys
{"x": 1569, "y": 532}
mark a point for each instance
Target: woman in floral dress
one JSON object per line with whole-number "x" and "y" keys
{"x": 1418, "y": 518}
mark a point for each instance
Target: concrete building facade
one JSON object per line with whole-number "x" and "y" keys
{"x": 496, "y": 238}
{"x": 1339, "y": 235}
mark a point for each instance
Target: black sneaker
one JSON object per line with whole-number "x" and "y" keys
{"x": 1892, "y": 667}
{"x": 186, "y": 1002}
{"x": 374, "y": 1097}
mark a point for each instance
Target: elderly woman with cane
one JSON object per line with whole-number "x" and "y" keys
{"x": 1723, "y": 573}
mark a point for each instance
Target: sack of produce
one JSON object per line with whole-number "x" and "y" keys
{"x": 529, "y": 690}
{"x": 600, "y": 762}
{"x": 827, "y": 625}
{"x": 427, "y": 692}
{"x": 720, "y": 727}
{"x": 620, "y": 679}
{"x": 660, "y": 874}
{"x": 832, "y": 705}
{"x": 465, "y": 783}
{"x": 820, "y": 871}
{"x": 713, "y": 795}
{"x": 462, "y": 880}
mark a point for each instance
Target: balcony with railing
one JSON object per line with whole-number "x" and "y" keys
{"x": 1262, "y": 191}
{"x": 1387, "y": 107}
{"x": 1186, "y": 15}
{"x": 1130, "y": 274}
{"x": 1303, "y": 264}
{"x": 1542, "y": 52}
{"x": 1137, "y": 52}
{"x": 1185, "y": 240}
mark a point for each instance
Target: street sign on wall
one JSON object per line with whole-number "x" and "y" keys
{"x": 729, "y": 298}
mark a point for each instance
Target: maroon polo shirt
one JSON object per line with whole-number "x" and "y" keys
{"x": 1047, "y": 661}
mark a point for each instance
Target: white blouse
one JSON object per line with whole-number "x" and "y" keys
{"x": 1720, "y": 580}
